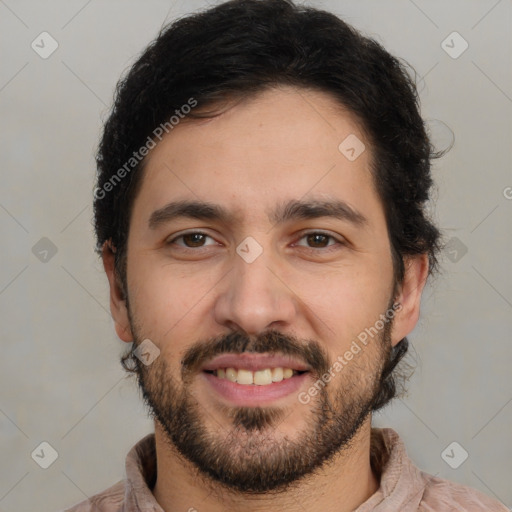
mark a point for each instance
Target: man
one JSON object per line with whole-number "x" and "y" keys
{"x": 260, "y": 212}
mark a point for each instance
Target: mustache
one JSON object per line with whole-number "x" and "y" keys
{"x": 272, "y": 342}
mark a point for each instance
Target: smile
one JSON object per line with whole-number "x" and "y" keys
{"x": 263, "y": 377}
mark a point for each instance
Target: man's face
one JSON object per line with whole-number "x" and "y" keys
{"x": 268, "y": 284}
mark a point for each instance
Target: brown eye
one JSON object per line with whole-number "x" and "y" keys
{"x": 194, "y": 239}
{"x": 191, "y": 240}
{"x": 318, "y": 240}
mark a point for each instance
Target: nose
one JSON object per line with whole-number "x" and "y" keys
{"x": 255, "y": 297}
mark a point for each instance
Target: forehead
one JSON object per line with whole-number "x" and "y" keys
{"x": 284, "y": 144}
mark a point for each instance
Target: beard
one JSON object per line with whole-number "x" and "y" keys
{"x": 251, "y": 456}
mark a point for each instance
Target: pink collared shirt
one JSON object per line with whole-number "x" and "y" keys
{"x": 403, "y": 487}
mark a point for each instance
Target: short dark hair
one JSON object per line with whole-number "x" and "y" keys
{"x": 240, "y": 48}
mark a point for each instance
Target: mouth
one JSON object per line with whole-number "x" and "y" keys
{"x": 246, "y": 377}
{"x": 254, "y": 379}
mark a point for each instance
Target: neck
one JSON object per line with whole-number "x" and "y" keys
{"x": 341, "y": 485}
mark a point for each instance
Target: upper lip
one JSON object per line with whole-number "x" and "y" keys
{"x": 254, "y": 362}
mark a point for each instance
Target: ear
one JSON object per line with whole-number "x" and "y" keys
{"x": 409, "y": 296}
{"x": 117, "y": 300}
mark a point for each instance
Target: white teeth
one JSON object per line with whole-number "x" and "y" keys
{"x": 259, "y": 377}
{"x": 231, "y": 374}
{"x": 244, "y": 377}
{"x": 287, "y": 373}
{"x": 262, "y": 377}
{"x": 277, "y": 374}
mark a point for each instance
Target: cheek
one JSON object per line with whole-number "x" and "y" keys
{"x": 344, "y": 303}
{"x": 166, "y": 298}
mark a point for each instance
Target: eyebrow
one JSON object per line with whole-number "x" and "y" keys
{"x": 292, "y": 210}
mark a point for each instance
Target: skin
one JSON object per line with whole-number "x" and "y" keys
{"x": 278, "y": 146}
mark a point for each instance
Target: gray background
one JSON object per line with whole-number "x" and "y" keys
{"x": 60, "y": 379}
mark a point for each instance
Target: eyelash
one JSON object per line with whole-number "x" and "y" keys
{"x": 303, "y": 235}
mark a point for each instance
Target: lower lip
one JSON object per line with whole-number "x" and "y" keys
{"x": 251, "y": 394}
